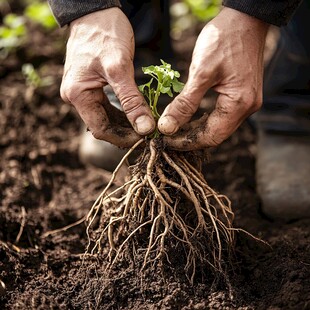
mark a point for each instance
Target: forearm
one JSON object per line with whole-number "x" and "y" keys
{"x": 273, "y": 12}
{"x": 65, "y": 11}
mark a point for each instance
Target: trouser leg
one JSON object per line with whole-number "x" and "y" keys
{"x": 151, "y": 24}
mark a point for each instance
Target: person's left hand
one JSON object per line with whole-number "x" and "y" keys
{"x": 100, "y": 52}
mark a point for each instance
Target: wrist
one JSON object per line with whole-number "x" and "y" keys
{"x": 246, "y": 20}
{"x": 98, "y": 18}
{"x": 67, "y": 11}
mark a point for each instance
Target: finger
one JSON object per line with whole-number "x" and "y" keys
{"x": 183, "y": 107}
{"x": 213, "y": 129}
{"x": 187, "y": 138}
{"x": 120, "y": 136}
{"x": 133, "y": 103}
{"x": 90, "y": 103}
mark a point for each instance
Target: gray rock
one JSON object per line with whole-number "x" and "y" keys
{"x": 283, "y": 175}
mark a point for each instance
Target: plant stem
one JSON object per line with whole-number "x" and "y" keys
{"x": 154, "y": 103}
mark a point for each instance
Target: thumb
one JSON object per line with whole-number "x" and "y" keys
{"x": 182, "y": 108}
{"x": 134, "y": 105}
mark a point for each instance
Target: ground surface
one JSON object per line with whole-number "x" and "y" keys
{"x": 44, "y": 186}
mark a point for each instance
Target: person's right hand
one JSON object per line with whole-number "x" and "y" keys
{"x": 228, "y": 57}
{"x": 100, "y": 51}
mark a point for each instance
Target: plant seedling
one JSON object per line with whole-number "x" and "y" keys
{"x": 12, "y": 34}
{"x": 167, "y": 82}
{"x": 33, "y": 78}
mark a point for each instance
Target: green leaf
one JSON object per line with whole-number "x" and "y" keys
{"x": 164, "y": 89}
{"x": 166, "y": 82}
{"x": 177, "y": 86}
{"x": 177, "y": 74}
{"x": 165, "y": 64}
{"x": 169, "y": 93}
{"x": 148, "y": 70}
{"x": 141, "y": 87}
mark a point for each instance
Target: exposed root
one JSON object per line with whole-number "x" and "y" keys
{"x": 166, "y": 201}
{"x": 22, "y": 224}
{"x": 65, "y": 228}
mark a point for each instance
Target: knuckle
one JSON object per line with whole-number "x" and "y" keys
{"x": 69, "y": 91}
{"x": 210, "y": 140}
{"x": 248, "y": 101}
{"x": 98, "y": 134}
{"x": 203, "y": 77}
{"x": 251, "y": 104}
{"x": 63, "y": 92}
{"x": 115, "y": 69}
{"x": 185, "y": 106}
{"x": 99, "y": 128}
{"x": 257, "y": 104}
{"x": 214, "y": 141}
{"x": 131, "y": 103}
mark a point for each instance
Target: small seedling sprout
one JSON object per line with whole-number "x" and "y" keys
{"x": 167, "y": 83}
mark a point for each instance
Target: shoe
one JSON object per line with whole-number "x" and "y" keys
{"x": 283, "y": 157}
{"x": 283, "y": 175}
{"x": 100, "y": 153}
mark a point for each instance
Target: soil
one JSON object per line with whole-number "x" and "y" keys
{"x": 44, "y": 186}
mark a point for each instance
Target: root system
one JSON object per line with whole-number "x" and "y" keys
{"x": 165, "y": 204}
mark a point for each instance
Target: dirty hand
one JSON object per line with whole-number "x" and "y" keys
{"x": 228, "y": 57}
{"x": 100, "y": 51}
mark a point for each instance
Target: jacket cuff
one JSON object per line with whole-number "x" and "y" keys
{"x": 65, "y": 11}
{"x": 277, "y": 13}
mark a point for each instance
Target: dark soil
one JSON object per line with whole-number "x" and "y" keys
{"x": 44, "y": 186}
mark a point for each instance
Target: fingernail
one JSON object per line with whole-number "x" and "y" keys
{"x": 168, "y": 125}
{"x": 144, "y": 124}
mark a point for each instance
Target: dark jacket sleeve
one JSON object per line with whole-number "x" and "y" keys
{"x": 276, "y": 12}
{"x": 65, "y": 11}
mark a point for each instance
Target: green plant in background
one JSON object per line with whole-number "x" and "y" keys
{"x": 188, "y": 14}
{"x": 14, "y": 28}
{"x": 12, "y": 33}
{"x": 33, "y": 78}
{"x": 203, "y": 10}
{"x": 40, "y": 13}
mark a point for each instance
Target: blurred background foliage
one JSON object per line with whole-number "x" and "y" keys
{"x": 15, "y": 27}
{"x": 192, "y": 14}
{"x": 24, "y": 21}
{"x": 18, "y": 16}
{"x": 29, "y": 39}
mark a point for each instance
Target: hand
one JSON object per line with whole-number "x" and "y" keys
{"x": 228, "y": 56}
{"x": 100, "y": 51}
